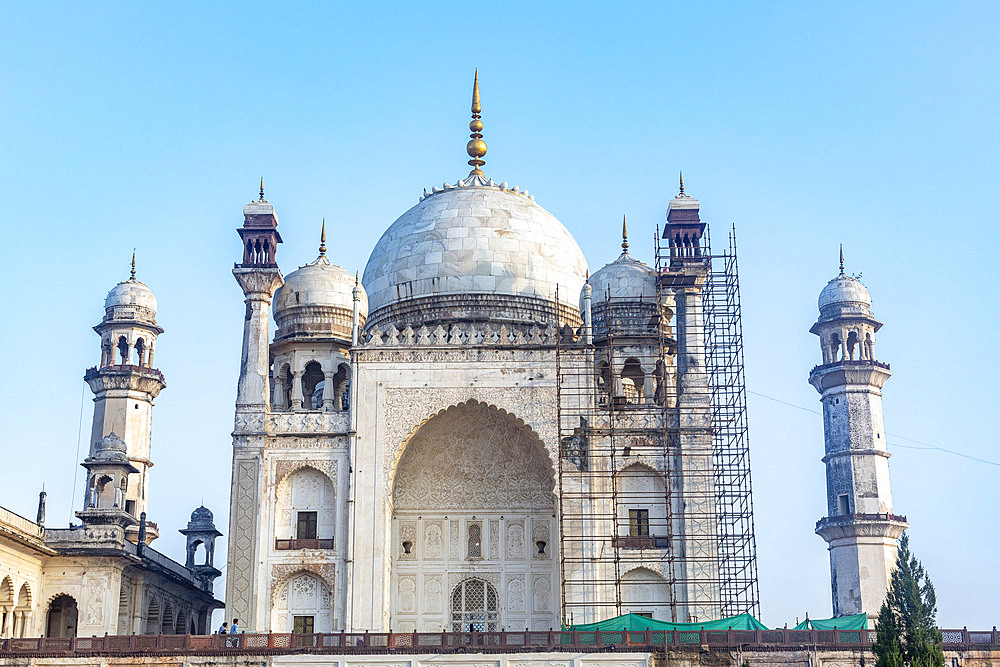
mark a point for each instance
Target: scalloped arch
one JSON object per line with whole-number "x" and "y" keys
{"x": 551, "y": 469}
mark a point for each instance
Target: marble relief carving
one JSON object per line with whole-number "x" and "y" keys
{"x": 407, "y": 410}
{"x": 242, "y": 561}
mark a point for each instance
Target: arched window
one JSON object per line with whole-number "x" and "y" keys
{"x": 312, "y": 386}
{"x": 474, "y": 607}
{"x": 140, "y": 352}
{"x": 852, "y": 345}
{"x": 62, "y": 617}
{"x": 632, "y": 380}
{"x": 122, "y": 351}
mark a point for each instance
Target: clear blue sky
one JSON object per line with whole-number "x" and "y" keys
{"x": 807, "y": 125}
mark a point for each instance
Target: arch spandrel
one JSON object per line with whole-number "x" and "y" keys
{"x": 407, "y": 409}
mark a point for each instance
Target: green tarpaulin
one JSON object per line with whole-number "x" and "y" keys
{"x": 855, "y": 622}
{"x": 635, "y": 622}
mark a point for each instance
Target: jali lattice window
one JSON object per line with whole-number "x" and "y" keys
{"x": 474, "y": 607}
{"x": 475, "y": 540}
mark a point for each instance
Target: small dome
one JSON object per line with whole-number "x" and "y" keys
{"x": 475, "y": 250}
{"x": 130, "y": 300}
{"x": 844, "y": 295}
{"x": 111, "y": 443}
{"x": 202, "y": 515}
{"x": 626, "y": 278}
{"x": 109, "y": 449}
{"x": 317, "y": 300}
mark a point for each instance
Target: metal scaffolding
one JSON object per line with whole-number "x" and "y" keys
{"x": 654, "y": 497}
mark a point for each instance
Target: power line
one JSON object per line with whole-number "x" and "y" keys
{"x": 923, "y": 445}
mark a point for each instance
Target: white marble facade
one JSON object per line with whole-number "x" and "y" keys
{"x": 429, "y": 430}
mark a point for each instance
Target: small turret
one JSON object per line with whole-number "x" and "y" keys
{"x": 201, "y": 533}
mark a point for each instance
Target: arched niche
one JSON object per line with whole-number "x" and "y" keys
{"x": 473, "y": 489}
{"x": 646, "y": 592}
{"x": 642, "y": 503}
{"x": 302, "y": 603}
{"x": 305, "y": 506}
{"x": 61, "y": 617}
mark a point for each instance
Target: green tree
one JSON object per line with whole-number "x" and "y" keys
{"x": 905, "y": 631}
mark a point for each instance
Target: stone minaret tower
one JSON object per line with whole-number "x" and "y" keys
{"x": 124, "y": 385}
{"x": 697, "y": 574}
{"x": 259, "y": 277}
{"x": 859, "y": 527}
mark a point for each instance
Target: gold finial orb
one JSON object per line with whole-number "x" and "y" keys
{"x": 476, "y": 148}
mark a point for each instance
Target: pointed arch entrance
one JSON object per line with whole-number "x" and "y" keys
{"x": 472, "y": 500}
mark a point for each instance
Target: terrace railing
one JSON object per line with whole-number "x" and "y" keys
{"x": 644, "y": 641}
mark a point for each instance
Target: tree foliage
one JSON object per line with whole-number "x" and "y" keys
{"x": 905, "y": 631}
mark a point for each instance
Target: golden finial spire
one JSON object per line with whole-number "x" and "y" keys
{"x": 624, "y": 236}
{"x": 841, "y": 259}
{"x": 322, "y": 240}
{"x": 356, "y": 282}
{"x": 476, "y": 148}
{"x": 682, "y": 185}
{"x": 133, "y": 265}
{"x": 261, "y": 189}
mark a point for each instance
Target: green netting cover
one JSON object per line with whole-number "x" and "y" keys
{"x": 635, "y": 622}
{"x": 855, "y": 622}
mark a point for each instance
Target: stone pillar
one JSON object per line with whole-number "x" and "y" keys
{"x": 329, "y": 392}
{"x": 588, "y": 330}
{"x": 297, "y": 397}
{"x": 18, "y": 624}
{"x": 278, "y": 402}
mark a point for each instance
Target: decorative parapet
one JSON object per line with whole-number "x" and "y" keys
{"x": 476, "y": 181}
{"x": 307, "y": 422}
{"x": 17, "y": 522}
{"x": 470, "y": 334}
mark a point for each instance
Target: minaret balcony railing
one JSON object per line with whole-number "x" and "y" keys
{"x": 844, "y": 519}
{"x": 123, "y": 369}
{"x": 851, "y": 363}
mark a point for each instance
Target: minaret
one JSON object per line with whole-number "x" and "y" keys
{"x": 696, "y": 545}
{"x": 259, "y": 277}
{"x": 124, "y": 385}
{"x": 860, "y": 527}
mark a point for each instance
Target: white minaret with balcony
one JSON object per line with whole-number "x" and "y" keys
{"x": 860, "y": 526}
{"x": 124, "y": 385}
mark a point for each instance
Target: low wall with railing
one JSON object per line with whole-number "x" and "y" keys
{"x": 648, "y": 641}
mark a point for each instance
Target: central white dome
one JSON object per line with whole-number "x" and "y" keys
{"x": 475, "y": 250}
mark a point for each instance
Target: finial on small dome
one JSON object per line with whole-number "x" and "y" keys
{"x": 476, "y": 148}
{"x": 356, "y": 282}
{"x": 133, "y": 265}
{"x": 261, "y": 189}
{"x": 681, "y": 193}
{"x": 322, "y": 240}
{"x": 624, "y": 235}
{"x": 841, "y": 259}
